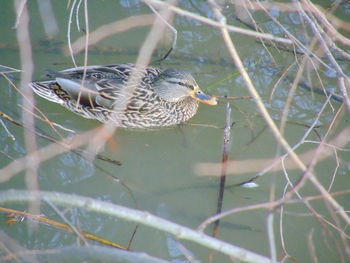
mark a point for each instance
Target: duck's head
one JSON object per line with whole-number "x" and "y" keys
{"x": 174, "y": 85}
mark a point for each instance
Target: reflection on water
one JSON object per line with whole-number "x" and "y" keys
{"x": 157, "y": 165}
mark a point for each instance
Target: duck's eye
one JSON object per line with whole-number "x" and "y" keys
{"x": 177, "y": 83}
{"x": 191, "y": 87}
{"x": 96, "y": 75}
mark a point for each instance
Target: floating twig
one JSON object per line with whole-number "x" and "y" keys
{"x": 234, "y": 97}
{"x": 15, "y": 216}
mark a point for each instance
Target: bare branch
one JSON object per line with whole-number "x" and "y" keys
{"x": 133, "y": 215}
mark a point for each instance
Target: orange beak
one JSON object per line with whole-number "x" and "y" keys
{"x": 203, "y": 97}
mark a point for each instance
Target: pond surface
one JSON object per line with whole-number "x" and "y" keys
{"x": 158, "y": 165}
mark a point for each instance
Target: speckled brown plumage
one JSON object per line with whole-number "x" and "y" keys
{"x": 160, "y": 97}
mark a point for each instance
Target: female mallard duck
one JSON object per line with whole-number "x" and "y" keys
{"x": 160, "y": 97}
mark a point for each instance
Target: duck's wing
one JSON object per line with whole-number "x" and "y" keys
{"x": 93, "y": 86}
{"x": 113, "y": 71}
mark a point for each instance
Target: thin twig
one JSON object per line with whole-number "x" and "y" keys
{"x": 69, "y": 33}
{"x": 72, "y": 227}
{"x": 342, "y": 76}
{"x": 31, "y": 103}
{"x": 14, "y": 250}
{"x": 211, "y": 22}
{"x": 7, "y": 130}
{"x": 225, "y": 152}
{"x": 63, "y": 143}
{"x": 173, "y": 45}
{"x": 233, "y": 97}
{"x": 308, "y": 174}
{"x": 141, "y": 217}
{"x": 14, "y": 216}
{"x": 43, "y": 154}
{"x": 266, "y": 205}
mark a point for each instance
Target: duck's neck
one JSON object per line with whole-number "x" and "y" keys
{"x": 189, "y": 107}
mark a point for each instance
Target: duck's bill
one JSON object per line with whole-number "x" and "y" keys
{"x": 205, "y": 98}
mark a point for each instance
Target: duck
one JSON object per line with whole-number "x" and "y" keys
{"x": 124, "y": 95}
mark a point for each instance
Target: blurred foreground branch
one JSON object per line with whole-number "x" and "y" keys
{"x": 254, "y": 166}
{"x": 112, "y": 29}
{"x": 133, "y": 215}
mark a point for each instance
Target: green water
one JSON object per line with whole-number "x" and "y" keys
{"x": 158, "y": 165}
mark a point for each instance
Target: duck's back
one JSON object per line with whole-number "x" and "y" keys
{"x": 98, "y": 92}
